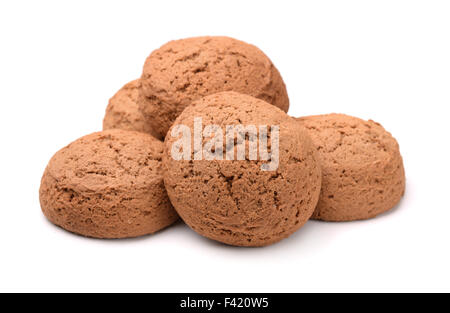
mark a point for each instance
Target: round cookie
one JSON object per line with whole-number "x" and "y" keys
{"x": 183, "y": 71}
{"x": 123, "y": 111}
{"x": 108, "y": 185}
{"x": 234, "y": 200}
{"x": 363, "y": 174}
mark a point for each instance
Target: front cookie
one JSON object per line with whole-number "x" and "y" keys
{"x": 251, "y": 187}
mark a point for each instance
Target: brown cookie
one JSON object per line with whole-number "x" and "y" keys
{"x": 123, "y": 111}
{"x": 108, "y": 185}
{"x": 235, "y": 201}
{"x": 363, "y": 174}
{"x": 183, "y": 71}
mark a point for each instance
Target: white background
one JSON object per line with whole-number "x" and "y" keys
{"x": 384, "y": 60}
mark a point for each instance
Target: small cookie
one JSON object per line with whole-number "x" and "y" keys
{"x": 108, "y": 185}
{"x": 363, "y": 174}
{"x": 123, "y": 111}
{"x": 186, "y": 70}
{"x": 239, "y": 201}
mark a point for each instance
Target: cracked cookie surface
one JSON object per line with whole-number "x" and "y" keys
{"x": 234, "y": 201}
{"x": 363, "y": 173}
{"x": 186, "y": 70}
{"x": 123, "y": 111}
{"x": 108, "y": 185}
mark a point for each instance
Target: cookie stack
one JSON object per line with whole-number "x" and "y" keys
{"x": 204, "y": 135}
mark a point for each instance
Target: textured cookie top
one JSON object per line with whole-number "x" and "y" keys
{"x": 123, "y": 110}
{"x": 186, "y": 70}
{"x": 230, "y": 108}
{"x": 111, "y": 159}
{"x": 349, "y": 141}
{"x": 363, "y": 174}
{"x": 235, "y": 202}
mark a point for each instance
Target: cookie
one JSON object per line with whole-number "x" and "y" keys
{"x": 123, "y": 111}
{"x": 253, "y": 200}
{"x": 183, "y": 71}
{"x": 363, "y": 174}
{"x": 108, "y": 185}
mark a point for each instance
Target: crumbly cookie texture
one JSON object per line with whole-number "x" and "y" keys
{"x": 108, "y": 185}
{"x": 123, "y": 111}
{"x": 363, "y": 173}
{"x": 186, "y": 70}
{"x": 233, "y": 201}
